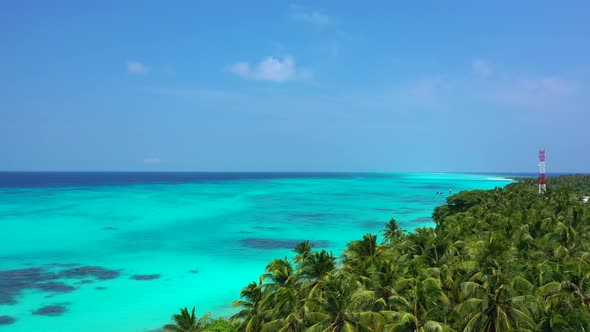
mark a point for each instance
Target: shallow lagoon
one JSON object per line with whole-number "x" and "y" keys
{"x": 122, "y": 253}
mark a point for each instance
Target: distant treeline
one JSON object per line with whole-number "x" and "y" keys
{"x": 497, "y": 260}
{"x": 578, "y": 182}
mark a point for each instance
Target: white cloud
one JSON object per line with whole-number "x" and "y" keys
{"x": 532, "y": 93}
{"x": 300, "y": 14}
{"x": 494, "y": 87}
{"x": 513, "y": 92}
{"x": 295, "y": 7}
{"x": 428, "y": 92}
{"x": 426, "y": 87}
{"x": 313, "y": 17}
{"x": 152, "y": 160}
{"x": 482, "y": 67}
{"x": 504, "y": 90}
{"x": 240, "y": 68}
{"x": 270, "y": 69}
{"x": 135, "y": 67}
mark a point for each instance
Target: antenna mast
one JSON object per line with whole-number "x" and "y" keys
{"x": 542, "y": 178}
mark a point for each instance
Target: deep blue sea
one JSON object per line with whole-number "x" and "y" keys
{"x": 123, "y": 251}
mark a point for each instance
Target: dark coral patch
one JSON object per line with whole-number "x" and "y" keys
{"x": 145, "y": 277}
{"x": 422, "y": 220}
{"x": 50, "y": 310}
{"x": 417, "y": 199}
{"x": 314, "y": 216}
{"x": 261, "y": 243}
{"x": 193, "y": 271}
{"x": 406, "y": 211}
{"x": 100, "y": 288}
{"x": 83, "y": 282}
{"x": 7, "y": 320}
{"x": 62, "y": 264}
{"x": 433, "y": 186}
{"x": 373, "y": 225}
{"x": 110, "y": 228}
{"x": 384, "y": 210}
{"x": 12, "y": 282}
{"x": 90, "y": 271}
{"x": 54, "y": 286}
{"x": 269, "y": 228}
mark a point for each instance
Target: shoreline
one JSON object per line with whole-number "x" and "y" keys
{"x": 489, "y": 258}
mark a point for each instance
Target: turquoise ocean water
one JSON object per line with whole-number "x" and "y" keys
{"x": 125, "y": 255}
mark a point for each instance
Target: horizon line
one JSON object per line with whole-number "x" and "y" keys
{"x": 301, "y": 172}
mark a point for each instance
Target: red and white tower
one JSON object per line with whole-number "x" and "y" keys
{"x": 542, "y": 178}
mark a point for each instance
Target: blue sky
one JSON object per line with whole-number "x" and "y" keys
{"x": 283, "y": 86}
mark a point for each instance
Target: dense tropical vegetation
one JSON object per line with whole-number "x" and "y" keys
{"x": 496, "y": 260}
{"x": 185, "y": 322}
{"x": 577, "y": 182}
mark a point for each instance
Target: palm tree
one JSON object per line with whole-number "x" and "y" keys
{"x": 383, "y": 279}
{"x": 249, "y": 318}
{"x": 392, "y": 232}
{"x": 296, "y": 321}
{"x": 279, "y": 272}
{"x": 495, "y": 305}
{"x": 420, "y": 302}
{"x": 313, "y": 274}
{"x": 558, "y": 310}
{"x": 185, "y": 322}
{"x": 318, "y": 265}
{"x": 303, "y": 250}
{"x": 346, "y": 306}
{"x": 361, "y": 255}
{"x": 292, "y": 323}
